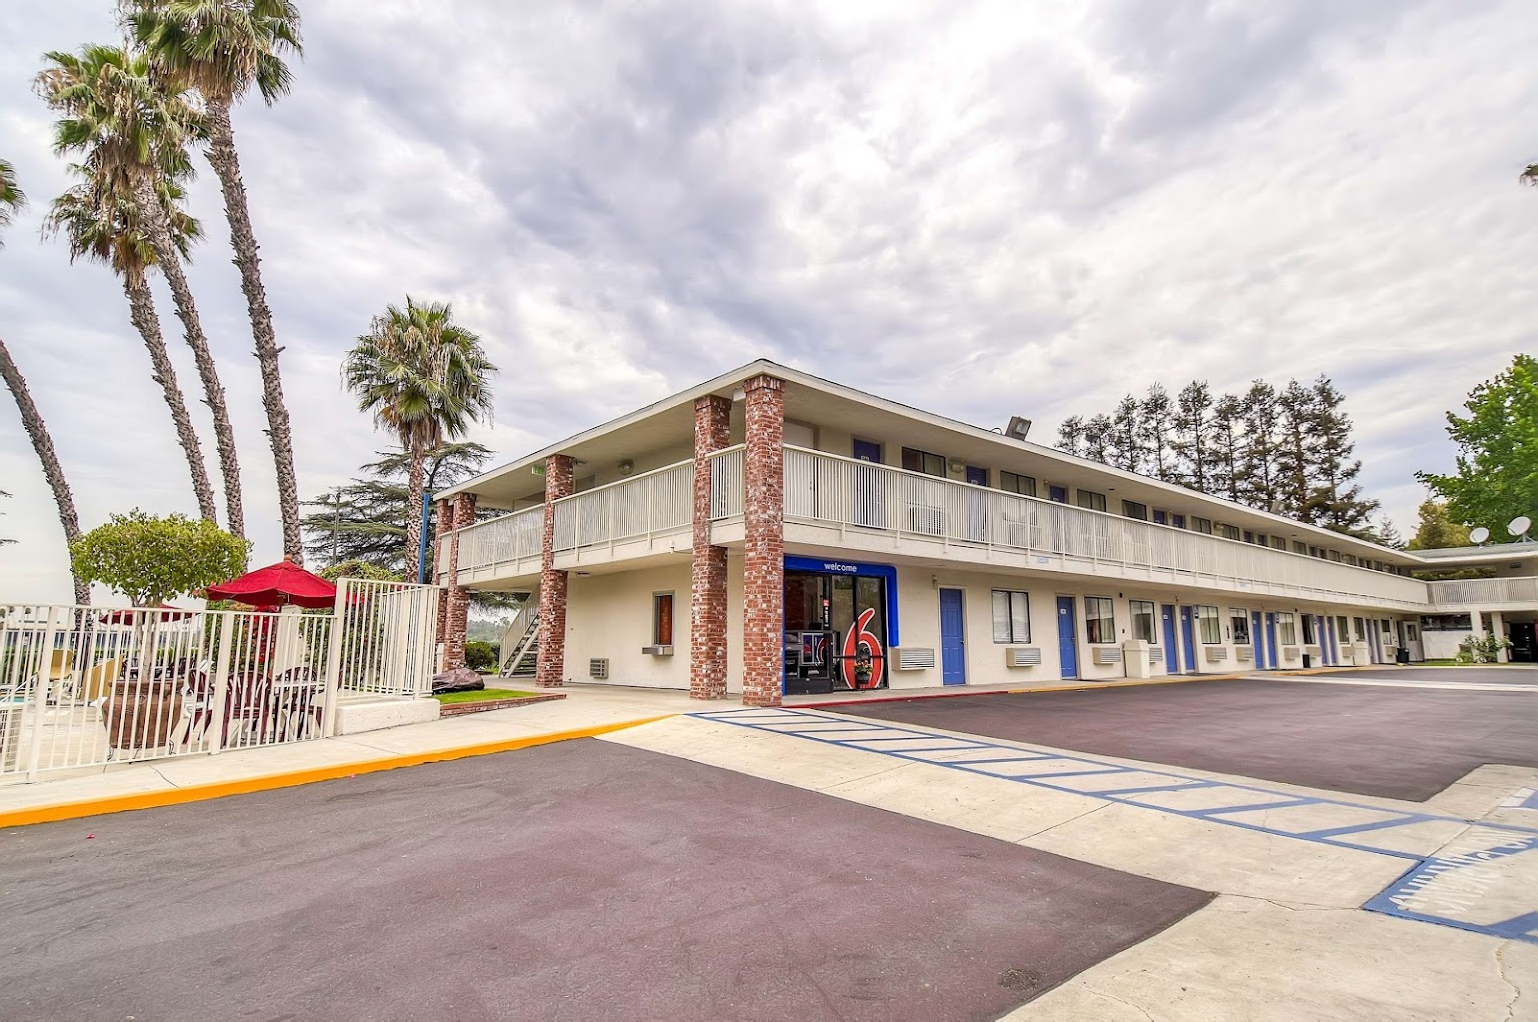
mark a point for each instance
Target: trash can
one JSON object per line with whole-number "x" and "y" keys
{"x": 1403, "y": 656}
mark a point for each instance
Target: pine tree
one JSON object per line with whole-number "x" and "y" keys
{"x": 1158, "y": 428}
{"x": 1339, "y": 505}
{"x": 1257, "y": 481}
{"x": 1192, "y": 439}
{"x": 1127, "y": 435}
{"x": 1098, "y": 439}
{"x": 1070, "y": 435}
{"x": 1227, "y": 475}
{"x": 1295, "y": 460}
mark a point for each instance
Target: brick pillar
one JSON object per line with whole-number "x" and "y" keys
{"x": 763, "y": 569}
{"x": 444, "y": 523}
{"x": 550, "y": 672}
{"x": 457, "y": 604}
{"x": 707, "y": 598}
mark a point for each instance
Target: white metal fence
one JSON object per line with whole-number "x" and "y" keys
{"x": 825, "y": 488}
{"x": 656, "y": 502}
{"x": 505, "y": 540}
{"x": 1484, "y": 592}
{"x": 726, "y": 483}
{"x": 88, "y": 686}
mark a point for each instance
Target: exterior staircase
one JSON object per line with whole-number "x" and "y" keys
{"x": 520, "y": 644}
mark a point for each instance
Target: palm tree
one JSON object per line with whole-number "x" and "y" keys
{"x": 133, "y": 131}
{"x": 11, "y": 200}
{"x": 107, "y": 228}
{"x": 424, "y": 378}
{"x": 222, "y": 48}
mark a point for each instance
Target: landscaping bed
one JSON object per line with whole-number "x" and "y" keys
{"x": 482, "y": 700}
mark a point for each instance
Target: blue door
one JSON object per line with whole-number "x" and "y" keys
{"x": 1258, "y": 640}
{"x": 1067, "y": 647}
{"x": 1270, "y": 641}
{"x": 1057, "y": 494}
{"x": 1188, "y": 639}
{"x": 1171, "y": 656}
{"x": 953, "y": 643}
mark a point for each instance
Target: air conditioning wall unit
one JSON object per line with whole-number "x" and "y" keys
{"x": 1022, "y": 656}
{"x": 598, "y": 667}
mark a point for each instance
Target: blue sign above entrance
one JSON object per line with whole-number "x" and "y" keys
{"x": 836, "y": 567}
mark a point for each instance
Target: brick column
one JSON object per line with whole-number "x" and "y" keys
{"x": 457, "y": 605}
{"x": 550, "y": 673}
{"x": 763, "y": 569}
{"x": 707, "y": 598}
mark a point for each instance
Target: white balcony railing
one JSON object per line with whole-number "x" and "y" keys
{"x": 1483, "y": 592}
{"x": 826, "y": 489}
{"x": 726, "y": 483}
{"x": 659, "y": 501}
{"x": 505, "y": 540}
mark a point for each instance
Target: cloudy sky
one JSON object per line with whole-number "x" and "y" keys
{"x": 981, "y": 209}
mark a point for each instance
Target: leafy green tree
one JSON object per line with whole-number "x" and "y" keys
{"x": 1258, "y": 469}
{"x": 132, "y": 129}
{"x": 424, "y": 378}
{"x": 1099, "y": 438}
{"x": 1436, "y": 529}
{"x": 1227, "y": 477}
{"x": 1127, "y": 450}
{"x": 150, "y": 559}
{"x": 358, "y": 569}
{"x": 11, "y": 200}
{"x": 1294, "y": 455}
{"x": 222, "y": 49}
{"x": 1496, "y": 476}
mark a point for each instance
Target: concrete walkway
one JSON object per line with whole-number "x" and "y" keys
{"x": 134, "y": 785}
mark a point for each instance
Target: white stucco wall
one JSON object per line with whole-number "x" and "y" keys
{"x": 610, "y": 615}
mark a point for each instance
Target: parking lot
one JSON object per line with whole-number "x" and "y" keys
{"x": 578, "y": 880}
{"x": 1390, "y": 741}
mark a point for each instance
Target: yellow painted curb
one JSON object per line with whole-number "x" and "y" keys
{"x": 267, "y": 782}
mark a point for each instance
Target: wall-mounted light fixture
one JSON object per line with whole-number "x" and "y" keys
{"x": 957, "y": 465}
{"x": 626, "y": 467}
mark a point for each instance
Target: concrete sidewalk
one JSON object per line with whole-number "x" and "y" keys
{"x": 586, "y": 710}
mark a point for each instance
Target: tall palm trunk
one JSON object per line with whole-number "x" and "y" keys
{"x": 170, "y": 264}
{"x": 42, "y": 443}
{"x": 226, "y": 163}
{"x": 141, "y": 306}
{"x": 414, "y": 486}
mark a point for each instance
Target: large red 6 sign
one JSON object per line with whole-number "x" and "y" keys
{"x": 860, "y": 636}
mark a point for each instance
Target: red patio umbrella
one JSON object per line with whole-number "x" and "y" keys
{"x": 128, "y": 617}
{"x": 277, "y": 584}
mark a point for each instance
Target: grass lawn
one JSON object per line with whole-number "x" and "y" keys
{"x": 482, "y": 695}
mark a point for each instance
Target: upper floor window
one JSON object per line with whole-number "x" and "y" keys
{"x": 1278, "y": 543}
{"x": 1334, "y": 555}
{"x": 1299, "y": 547}
{"x": 1015, "y": 483}
{"x": 923, "y": 461}
{"x": 1177, "y": 521}
{"x": 1228, "y": 531}
{"x": 1092, "y": 500}
{"x": 1132, "y": 509}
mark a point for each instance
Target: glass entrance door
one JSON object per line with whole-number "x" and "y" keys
{"x": 835, "y": 632}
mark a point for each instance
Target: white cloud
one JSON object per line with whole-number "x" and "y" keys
{"x": 981, "y": 210}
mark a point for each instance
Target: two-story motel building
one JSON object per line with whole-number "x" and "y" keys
{"x": 770, "y": 532}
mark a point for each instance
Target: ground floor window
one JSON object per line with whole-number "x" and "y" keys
{"x": 1239, "y": 624}
{"x": 662, "y": 619}
{"x": 1286, "y": 624}
{"x": 1011, "y": 616}
{"x": 1447, "y": 623}
{"x": 1361, "y": 629}
{"x": 1207, "y": 624}
{"x": 1143, "y": 620}
{"x": 1343, "y": 631}
{"x": 1308, "y": 630}
{"x": 1099, "y": 619}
